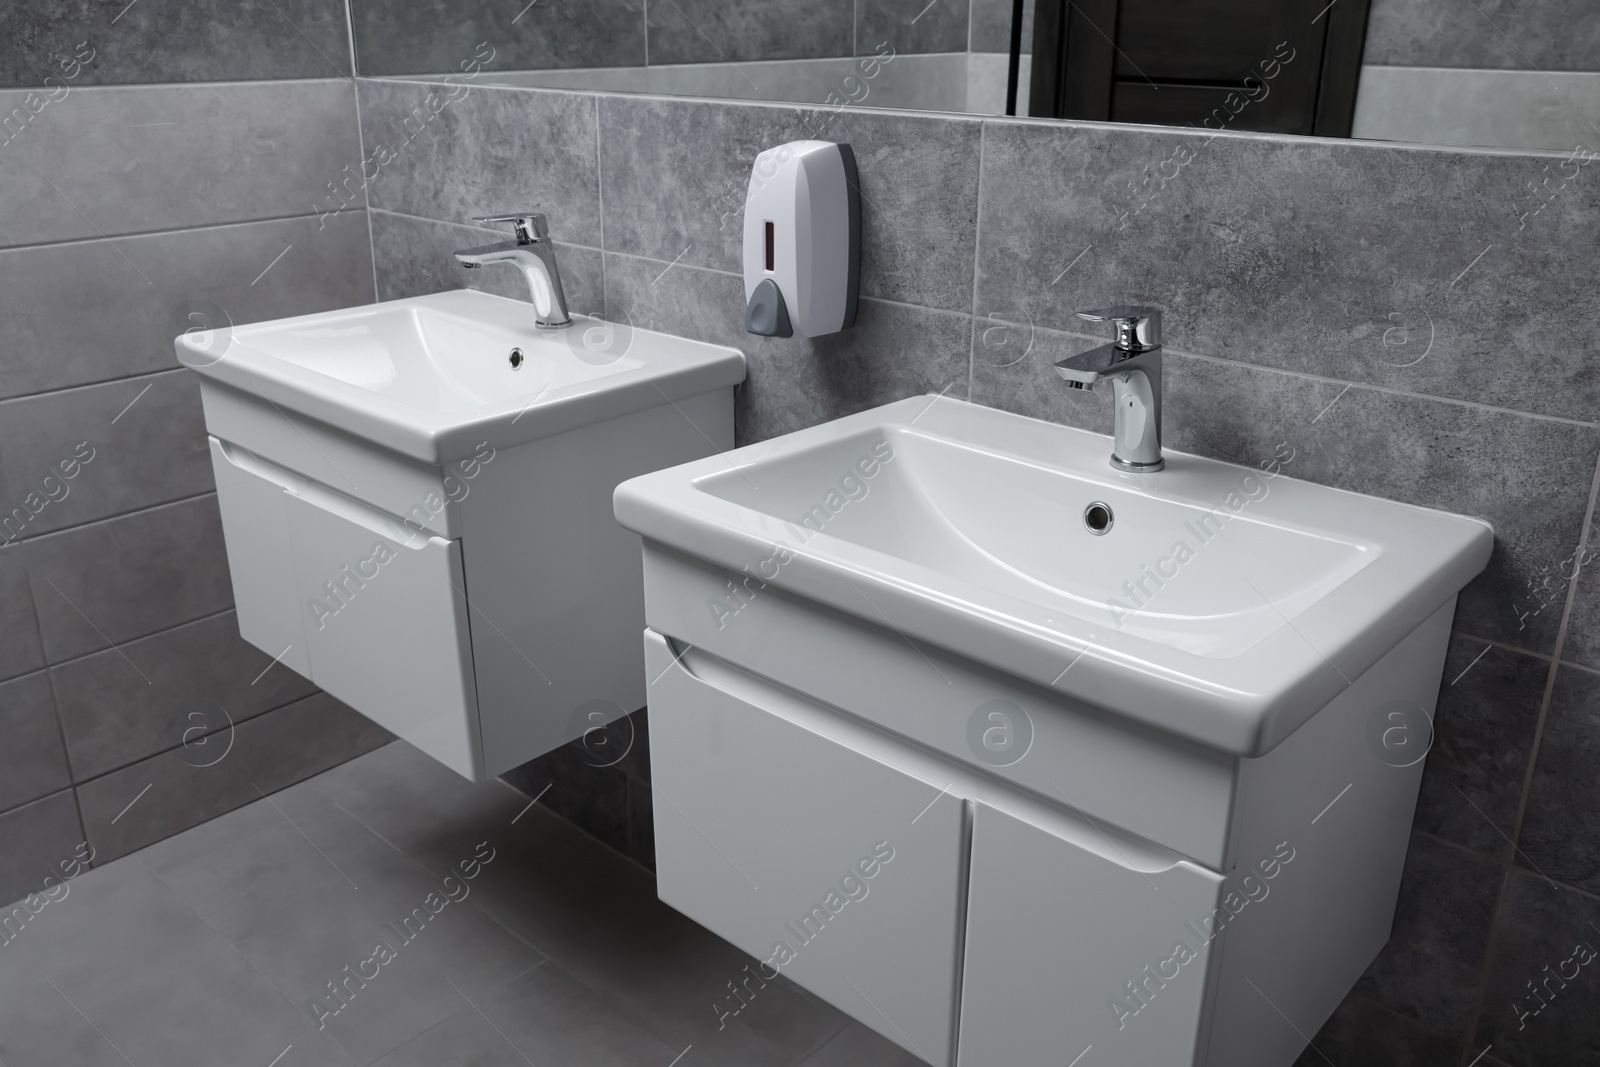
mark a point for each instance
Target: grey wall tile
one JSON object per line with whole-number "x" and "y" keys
{"x": 437, "y": 36}
{"x": 1484, "y": 724}
{"x": 123, "y": 578}
{"x": 912, "y": 25}
{"x": 991, "y": 26}
{"x": 732, "y": 31}
{"x": 34, "y": 840}
{"x": 676, "y": 174}
{"x": 271, "y": 751}
{"x": 32, "y": 762}
{"x": 1429, "y": 970}
{"x": 1528, "y": 476}
{"x": 21, "y": 651}
{"x": 1345, "y": 260}
{"x": 180, "y": 687}
{"x": 1583, "y": 625}
{"x": 414, "y": 258}
{"x": 71, "y": 314}
{"x": 1539, "y": 927}
{"x": 1516, "y": 34}
{"x": 893, "y": 351}
{"x": 1362, "y": 1033}
{"x": 489, "y": 152}
{"x": 132, "y": 444}
{"x": 183, "y": 155}
{"x": 208, "y": 40}
{"x": 1561, "y": 830}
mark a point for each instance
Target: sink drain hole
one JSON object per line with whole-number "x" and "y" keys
{"x": 1097, "y": 518}
{"x": 516, "y": 358}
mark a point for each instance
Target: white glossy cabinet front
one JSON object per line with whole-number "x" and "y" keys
{"x": 1068, "y": 951}
{"x": 837, "y": 868}
{"x": 372, "y": 612}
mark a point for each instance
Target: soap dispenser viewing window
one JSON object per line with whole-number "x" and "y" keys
{"x": 802, "y": 240}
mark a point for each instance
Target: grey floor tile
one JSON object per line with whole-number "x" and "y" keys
{"x": 184, "y": 155}
{"x": 184, "y": 686}
{"x": 133, "y": 444}
{"x": 596, "y": 914}
{"x": 171, "y": 792}
{"x": 438, "y": 36}
{"x": 310, "y": 900}
{"x": 120, "y": 965}
{"x": 1484, "y": 724}
{"x": 857, "y": 1046}
{"x": 551, "y": 1017}
{"x": 168, "y": 283}
{"x": 205, "y": 40}
{"x": 465, "y": 1039}
{"x": 1561, "y": 829}
{"x": 1542, "y": 937}
{"x": 414, "y": 258}
{"x": 124, "y": 578}
{"x": 34, "y": 840}
{"x": 21, "y": 651}
{"x": 32, "y": 761}
{"x": 1362, "y": 1033}
{"x": 1430, "y": 969}
{"x": 1583, "y": 625}
{"x": 490, "y": 151}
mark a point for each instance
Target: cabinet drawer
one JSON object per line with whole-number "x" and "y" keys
{"x": 1067, "y": 949}
{"x": 766, "y": 831}
{"x": 370, "y": 611}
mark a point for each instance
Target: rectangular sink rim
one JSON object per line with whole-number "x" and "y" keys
{"x": 675, "y": 368}
{"x": 1245, "y": 704}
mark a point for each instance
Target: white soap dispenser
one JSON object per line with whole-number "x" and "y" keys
{"x": 802, "y": 240}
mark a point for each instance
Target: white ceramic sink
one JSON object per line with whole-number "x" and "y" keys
{"x": 431, "y": 377}
{"x": 965, "y": 526}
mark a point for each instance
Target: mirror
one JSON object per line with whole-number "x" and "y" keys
{"x": 1490, "y": 73}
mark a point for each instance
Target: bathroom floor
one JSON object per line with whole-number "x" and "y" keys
{"x": 460, "y": 925}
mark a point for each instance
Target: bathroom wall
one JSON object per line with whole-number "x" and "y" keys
{"x": 1399, "y": 321}
{"x": 156, "y": 162}
{"x": 411, "y": 37}
{"x": 1522, "y": 73}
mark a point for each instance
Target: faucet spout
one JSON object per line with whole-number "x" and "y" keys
{"x": 533, "y": 254}
{"x": 1133, "y": 365}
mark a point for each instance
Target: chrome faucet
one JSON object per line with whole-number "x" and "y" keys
{"x": 534, "y": 254}
{"x": 1133, "y": 363}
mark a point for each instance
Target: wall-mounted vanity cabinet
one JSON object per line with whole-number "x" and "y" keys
{"x": 905, "y": 755}
{"x": 416, "y": 499}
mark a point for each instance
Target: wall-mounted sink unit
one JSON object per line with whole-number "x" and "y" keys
{"x": 416, "y": 498}
{"x": 1143, "y": 804}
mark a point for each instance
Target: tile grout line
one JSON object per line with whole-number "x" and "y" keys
{"x": 361, "y": 148}
{"x": 977, "y": 246}
{"x": 47, "y": 534}
{"x": 58, "y": 390}
{"x": 1508, "y": 866}
{"x": 55, "y": 709}
{"x": 600, "y": 185}
{"x": 169, "y": 231}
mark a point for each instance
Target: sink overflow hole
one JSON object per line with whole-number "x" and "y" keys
{"x": 516, "y": 358}
{"x": 1097, "y": 518}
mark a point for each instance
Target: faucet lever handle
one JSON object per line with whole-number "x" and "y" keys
{"x": 1138, "y": 328}
{"x": 530, "y": 226}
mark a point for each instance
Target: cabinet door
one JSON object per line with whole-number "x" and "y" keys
{"x": 841, "y": 870}
{"x": 385, "y": 615}
{"x": 1068, "y": 949}
{"x": 372, "y": 612}
{"x": 259, "y": 557}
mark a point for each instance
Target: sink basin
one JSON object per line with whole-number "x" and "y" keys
{"x": 432, "y": 377}
{"x": 1221, "y": 603}
{"x": 416, "y": 501}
